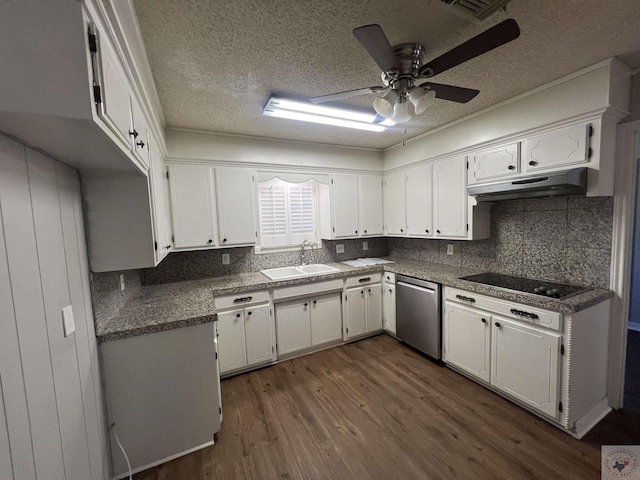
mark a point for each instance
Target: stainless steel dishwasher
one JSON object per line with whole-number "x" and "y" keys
{"x": 418, "y": 315}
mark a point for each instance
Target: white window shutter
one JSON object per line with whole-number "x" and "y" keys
{"x": 302, "y": 218}
{"x": 273, "y": 213}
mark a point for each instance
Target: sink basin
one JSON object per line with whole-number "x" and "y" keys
{"x": 294, "y": 272}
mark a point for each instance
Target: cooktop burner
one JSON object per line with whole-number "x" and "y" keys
{"x": 527, "y": 285}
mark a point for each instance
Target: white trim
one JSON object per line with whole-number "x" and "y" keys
{"x": 259, "y": 249}
{"x": 164, "y": 460}
{"x": 590, "y": 419}
{"x": 621, "y": 254}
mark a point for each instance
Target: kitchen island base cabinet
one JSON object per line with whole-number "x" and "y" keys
{"x": 162, "y": 395}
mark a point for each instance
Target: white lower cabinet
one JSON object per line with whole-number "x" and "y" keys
{"x": 362, "y": 310}
{"x": 525, "y": 363}
{"x": 245, "y": 337}
{"x": 389, "y": 303}
{"x": 308, "y": 322}
{"x": 467, "y": 340}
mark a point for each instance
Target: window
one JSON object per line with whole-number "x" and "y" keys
{"x": 287, "y": 213}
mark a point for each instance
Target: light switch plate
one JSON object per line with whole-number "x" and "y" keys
{"x": 340, "y": 248}
{"x": 225, "y": 259}
{"x": 121, "y": 282}
{"x": 68, "y": 324}
{"x": 449, "y": 249}
{"x": 365, "y": 245}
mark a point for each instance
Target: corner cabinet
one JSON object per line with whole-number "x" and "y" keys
{"x": 552, "y": 364}
{"x": 353, "y": 207}
{"x": 431, "y": 201}
{"x": 211, "y": 207}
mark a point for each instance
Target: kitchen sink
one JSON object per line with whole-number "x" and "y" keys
{"x": 283, "y": 273}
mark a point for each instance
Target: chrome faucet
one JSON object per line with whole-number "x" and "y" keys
{"x": 305, "y": 243}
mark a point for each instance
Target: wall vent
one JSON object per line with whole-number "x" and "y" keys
{"x": 475, "y": 9}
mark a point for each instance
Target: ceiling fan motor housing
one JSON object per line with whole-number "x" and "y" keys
{"x": 410, "y": 56}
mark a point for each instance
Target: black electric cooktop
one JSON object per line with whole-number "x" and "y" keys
{"x": 527, "y": 285}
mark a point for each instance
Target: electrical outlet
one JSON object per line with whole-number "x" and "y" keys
{"x": 365, "y": 245}
{"x": 225, "y": 259}
{"x": 68, "y": 324}
{"x": 121, "y": 282}
{"x": 449, "y": 249}
{"x": 340, "y": 248}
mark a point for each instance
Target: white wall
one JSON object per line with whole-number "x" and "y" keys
{"x": 189, "y": 145}
{"x": 52, "y": 420}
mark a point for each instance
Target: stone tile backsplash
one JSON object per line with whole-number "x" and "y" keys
{"x": 565, "y": 239}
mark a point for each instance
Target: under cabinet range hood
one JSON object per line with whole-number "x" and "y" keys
{"x": 555, "y": 184}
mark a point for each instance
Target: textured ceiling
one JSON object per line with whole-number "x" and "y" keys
{"x": 216, "y": 62}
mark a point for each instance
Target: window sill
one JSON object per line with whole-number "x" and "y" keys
{"x": 259, "y": 250}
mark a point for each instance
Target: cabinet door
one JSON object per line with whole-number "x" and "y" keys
{"x": 354, "y": 313}
{"x": 373, "y": 295}
{"x": 192, "y": 205}
{"x": 231, "y": 345}
{"x": 257, "y": 327}
{"x": 139, "y": 126}
{"x": 236, "y": 219}
{"x": 495, "y": 162}
{"x": 395, "y": 206}
{"x": 326, "y": 319}
{"x": 160, "y": 212}
{"x": 371, "y": 205}
{"x": 293, "y": 326}
{"x": 345, "y": 205}
{"x": 525, "y": 364}
{"x": 450, "y": 197}
{"x": 565, "y": 146}
{"x": 389, "y": 307}
{"x": 419, "y": 202}
{"x": 467, "y": 340}
{"x": 115, "y": 106}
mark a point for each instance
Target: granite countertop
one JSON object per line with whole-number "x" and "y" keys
{"x": 174, "y": 305}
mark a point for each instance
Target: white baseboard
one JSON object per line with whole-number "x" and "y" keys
{"x": 591, "y": 418}
{"x": 634, "y": 326}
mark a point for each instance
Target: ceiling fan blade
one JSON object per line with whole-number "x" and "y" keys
{"x": 498, "y": 35}
{"x": 348, "y": 94}
{"x": 451, "y": 93}
{"x": 374, "y": 41}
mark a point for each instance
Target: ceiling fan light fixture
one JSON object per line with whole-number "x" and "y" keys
{"x": 400, "y": 113}
{"x": 384, "y": 105}
{"x": 421, "y": 99}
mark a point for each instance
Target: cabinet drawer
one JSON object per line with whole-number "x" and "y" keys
{"x": 241, "y": 299}
{"x": 390, "y": 277}
{"x": 364, "y": 279}
{"x": 524, "y": 313}
{"x": 307, "y": 289}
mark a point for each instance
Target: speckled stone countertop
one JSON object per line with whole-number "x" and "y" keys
{"x": 175, "y": 305}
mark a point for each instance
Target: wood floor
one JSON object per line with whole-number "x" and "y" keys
{"x": 375, "y": 409}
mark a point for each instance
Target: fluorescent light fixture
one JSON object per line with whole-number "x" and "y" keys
{"x": 308, "y": 112}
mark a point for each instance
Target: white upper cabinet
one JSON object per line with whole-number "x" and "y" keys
{"x": 495, "y": 162}
{"x": 558, "y": 148}
{"x": 395, "y": 206}
{"x": 371, "y": 221}
{"x": 419, "y": 202}
{"x": 139, "y": 133}
{"x": 235, "y": 205}
{"x": 160, "y": 207}
{"x": 344, "y": 190}
{"x": 450, "y": 198}
{"x": 192, "y": 205}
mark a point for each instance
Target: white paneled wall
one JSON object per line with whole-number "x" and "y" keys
{"x": 52, "y": 418}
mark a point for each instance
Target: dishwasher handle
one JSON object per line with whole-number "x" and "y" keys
{"x": 416, "y": 287}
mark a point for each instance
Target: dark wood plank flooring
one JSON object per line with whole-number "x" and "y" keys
{"x": 632, "y": 373}
{"x": 375, "y": 409}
